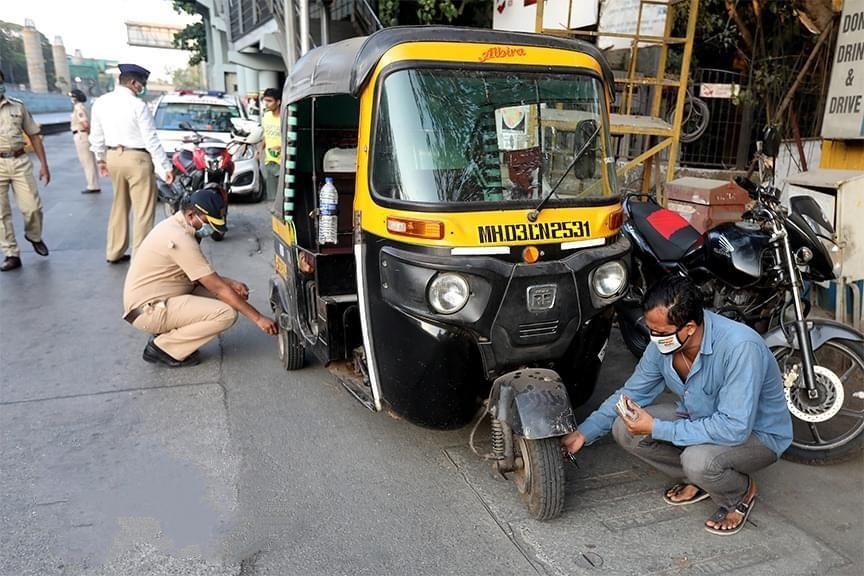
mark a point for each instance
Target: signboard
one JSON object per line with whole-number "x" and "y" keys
{"x": 622, "y": 17}
{"x": 521, "y": 15}
{"x": 844, "y": 110}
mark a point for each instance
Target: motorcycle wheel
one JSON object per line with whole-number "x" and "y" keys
{"x": 818, "y": 436}
{"x": 169, "y": 209}
{"x": 539, "y": 476}
{"x": 635, "y": 337}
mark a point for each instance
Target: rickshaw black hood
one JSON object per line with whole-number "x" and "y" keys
{"x": 344, "y": 67}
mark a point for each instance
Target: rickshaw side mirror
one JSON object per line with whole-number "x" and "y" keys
{"x": 586, "y": 166}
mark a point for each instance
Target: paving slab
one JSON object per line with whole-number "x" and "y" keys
{"x": 616, "y": 522}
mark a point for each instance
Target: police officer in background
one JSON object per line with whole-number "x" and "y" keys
{"x": 123, "y": 138}
{"x": 80, "y": 124}
{"x": 172, "y": 291}
{"x": 16, "y": 170}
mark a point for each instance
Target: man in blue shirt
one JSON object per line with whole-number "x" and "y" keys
{"x": 730, "y": 418}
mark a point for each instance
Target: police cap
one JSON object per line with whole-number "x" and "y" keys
{"x": 134, "y": 69}
{"x": 208, "y": 202}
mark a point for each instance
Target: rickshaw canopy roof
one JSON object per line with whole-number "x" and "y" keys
{"x": 344, "y": 67}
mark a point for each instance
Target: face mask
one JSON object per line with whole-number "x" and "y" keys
{"x": 668, "y": 343}
{"x": 205, "y": 231}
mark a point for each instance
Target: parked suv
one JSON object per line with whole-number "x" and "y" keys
{"x": 213, "y": 114}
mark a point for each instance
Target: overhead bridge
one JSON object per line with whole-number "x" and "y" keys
{"x": 151, "y": 35}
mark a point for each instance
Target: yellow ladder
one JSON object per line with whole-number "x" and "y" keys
{"x": 662, "y": 135}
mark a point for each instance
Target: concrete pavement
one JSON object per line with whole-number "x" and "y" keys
{"x": 110, "y": 465}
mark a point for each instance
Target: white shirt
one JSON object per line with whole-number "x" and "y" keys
{"x": 120, "y": 118}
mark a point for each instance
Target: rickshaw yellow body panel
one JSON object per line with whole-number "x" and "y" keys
{"x": 479, "y": 228}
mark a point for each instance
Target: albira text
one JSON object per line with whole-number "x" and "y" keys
{"x": 533, "y": 232}
{"x": 498, "y": 52}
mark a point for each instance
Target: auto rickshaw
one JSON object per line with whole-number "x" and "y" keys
{"x": 476, "y": 253}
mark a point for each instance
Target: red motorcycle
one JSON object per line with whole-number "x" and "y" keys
{"x": 204, "y": 162}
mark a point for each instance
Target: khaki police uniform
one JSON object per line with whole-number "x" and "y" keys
{"x": 161, "y": 295}
{"x": 80, "y": 124}
{"x": 16, "y": 169}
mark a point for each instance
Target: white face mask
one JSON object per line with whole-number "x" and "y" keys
{"x": 668, "y": 343}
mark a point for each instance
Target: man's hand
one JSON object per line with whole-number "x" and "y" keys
{"x": 169, "y": 177}
{"x": 642, "y": 424}
{"x": 267, "y": 325}
{"x": 44, "y": 174}
{"x": 573, "y": 442}
{"x": 103, "y": 168}
{"x": 240, "y": 288}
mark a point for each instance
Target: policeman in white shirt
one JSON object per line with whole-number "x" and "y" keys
{"x": 123, "y": 138}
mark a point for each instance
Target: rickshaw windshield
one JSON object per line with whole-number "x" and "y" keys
{"x": 448, "y": 136}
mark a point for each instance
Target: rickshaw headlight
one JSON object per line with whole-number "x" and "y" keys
{"x": 609, "y": 279}
{"x": 448, "y": 293}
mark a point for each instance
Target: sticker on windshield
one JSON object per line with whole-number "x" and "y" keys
{"x": 533, "y": 232}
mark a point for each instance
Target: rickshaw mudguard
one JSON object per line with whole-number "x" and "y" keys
{"x": 533, "y": 402}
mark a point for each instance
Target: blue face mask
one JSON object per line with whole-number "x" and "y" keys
{"x": 205, "y": 231}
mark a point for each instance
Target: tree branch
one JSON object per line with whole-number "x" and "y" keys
{"x": 746, "y": 36}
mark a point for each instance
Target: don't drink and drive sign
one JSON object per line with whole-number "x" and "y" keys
{"x": 844, "y": 111}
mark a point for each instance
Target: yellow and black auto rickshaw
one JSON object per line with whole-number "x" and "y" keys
{"x": 474, "y": 253}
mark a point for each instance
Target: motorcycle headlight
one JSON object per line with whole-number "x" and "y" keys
{"x": 609, "y": 279}
{"x": 448, "y": 293}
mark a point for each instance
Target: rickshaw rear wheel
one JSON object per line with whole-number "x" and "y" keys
{"x": 539, "y": 477}
{"x": 291, "y": 351}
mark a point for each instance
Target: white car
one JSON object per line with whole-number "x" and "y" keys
{"x": 211, "y": 114}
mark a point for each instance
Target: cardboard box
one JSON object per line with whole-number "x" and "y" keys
{"x": 706, "y": 191}
{"x": 705, "y": 203}
{"x": 704, "y": 217}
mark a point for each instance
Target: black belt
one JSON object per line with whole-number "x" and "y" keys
{"x": 14, "y": 154}
{"x": 127, "y": 149}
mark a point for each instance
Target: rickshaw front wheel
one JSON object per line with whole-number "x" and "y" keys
{"x": 539, "y": 476}
{"x": 291, "y": 351}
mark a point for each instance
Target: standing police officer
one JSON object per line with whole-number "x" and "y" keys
{"x": 16, "y": 170}
{"x": 123, "y": 138}
{"x": 80, "y": 124}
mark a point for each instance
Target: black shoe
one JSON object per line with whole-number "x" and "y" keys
{"x": 88, "y": 191}
{"x": 154, "y": 354}
{"x": 123, "y": 258}
{"x": 39, "y": 247}
{"x": 10, "y": 263}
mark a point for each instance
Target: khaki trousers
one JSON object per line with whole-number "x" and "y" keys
{"x": 18, "y": 172}
{"x": 134, "y": 183}
{"x": 87, "y": 160}
{"x": 186, "y": 323}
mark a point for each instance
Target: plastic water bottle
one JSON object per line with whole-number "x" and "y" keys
{"x": 328, "y": 203}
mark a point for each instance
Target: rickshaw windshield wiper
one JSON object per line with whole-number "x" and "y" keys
{"x": 532, "y": 216}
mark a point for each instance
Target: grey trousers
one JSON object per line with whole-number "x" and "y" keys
{"x": 722, "y": 471}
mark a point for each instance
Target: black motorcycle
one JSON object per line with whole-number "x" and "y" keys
{"x": 757, "y": 271}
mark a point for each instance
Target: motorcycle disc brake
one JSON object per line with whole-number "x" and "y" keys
{"x": 826, "y": 404}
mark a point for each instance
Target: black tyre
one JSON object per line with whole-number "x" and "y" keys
{"x": 169, "y": 209}
{"x": 218, "y": 236}
{"x": 261, "y": 193}
{"x": 540, "y": 478}
{"x": 821, "y": 436}
{"x": 635, "y": 336}
{"x": 291, "y": 351}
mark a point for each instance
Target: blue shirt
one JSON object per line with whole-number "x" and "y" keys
{"x": 734, "y": 389}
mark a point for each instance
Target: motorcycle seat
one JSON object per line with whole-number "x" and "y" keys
{"x": 666, "y": 231}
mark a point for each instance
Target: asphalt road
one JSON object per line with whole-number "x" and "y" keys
{"x": 110, "y": 465}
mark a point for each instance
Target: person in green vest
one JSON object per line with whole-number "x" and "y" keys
{"x": 270, "y": 150}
